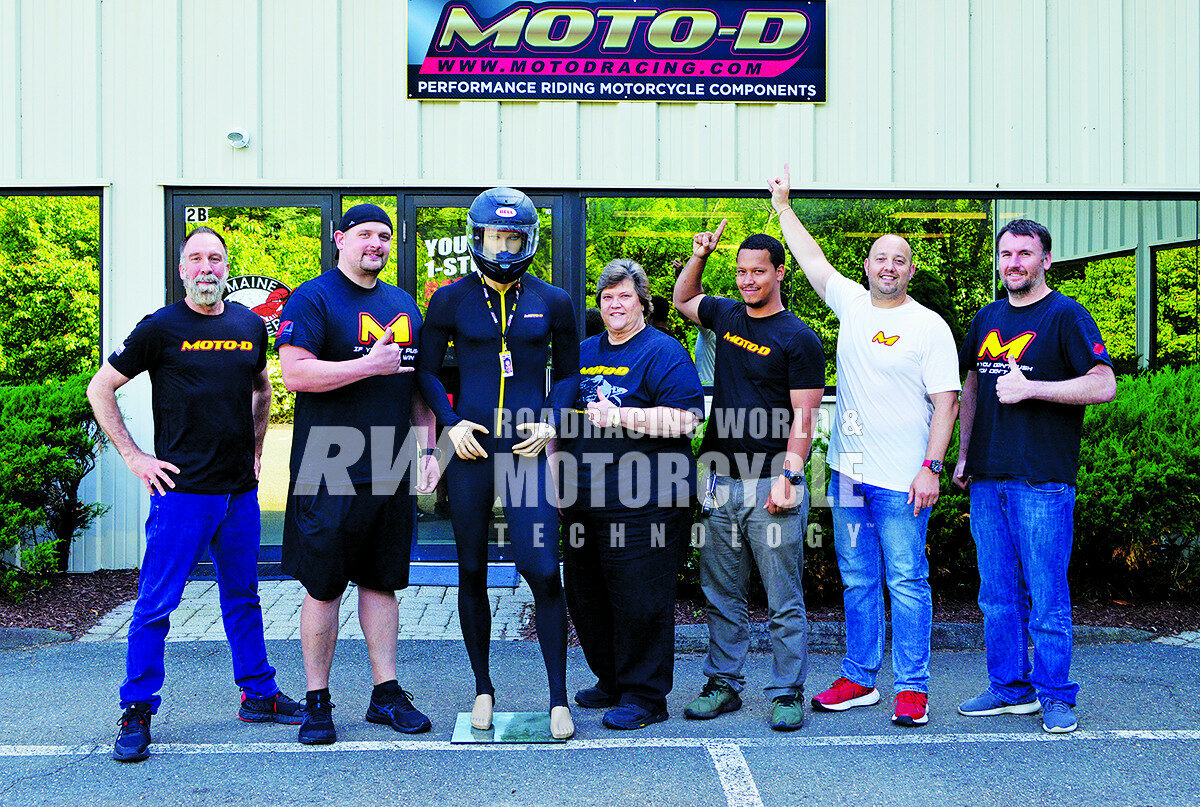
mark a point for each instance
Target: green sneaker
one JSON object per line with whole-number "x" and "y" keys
{"x": 787, "y": 713}
{"x": 716, "y": 698}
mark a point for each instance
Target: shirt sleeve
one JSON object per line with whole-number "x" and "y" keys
{"x": 263, "y": 340}
{"x": 707, "y": 311}
{"x": 301, "y": 324}
{"x": 141, "y": 350}
{"x": 939, "y": 367}
{"x": 839, "y": 291}
{"x": 676, "y": 384}
{"x": 806, "y": 361}
{"x": 967, "y": 354}
{"x": 1083, "y": 345}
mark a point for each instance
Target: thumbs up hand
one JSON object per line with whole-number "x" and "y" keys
{"x": 384, "y": 357}
{"x": 1013, "y": 387}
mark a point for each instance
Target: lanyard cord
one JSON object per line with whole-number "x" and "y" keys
{"x": 491, "y": 310}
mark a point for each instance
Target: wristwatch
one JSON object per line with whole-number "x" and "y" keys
{"x": 933, "y": 465}
{"x": 794, "y": 477}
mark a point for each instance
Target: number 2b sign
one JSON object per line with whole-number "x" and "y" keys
{"x": 617, "y": 51}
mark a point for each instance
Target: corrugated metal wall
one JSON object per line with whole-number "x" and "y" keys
{"x": 963, "y": 95}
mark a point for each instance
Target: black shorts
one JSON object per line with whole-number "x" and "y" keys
{"x": 331, "y": 539}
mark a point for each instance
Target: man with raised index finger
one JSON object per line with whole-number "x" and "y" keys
{"x": 898, "y": 383}
{"x": 769, "y": 378}
{"x": 1032, "y": 361}
{"x": 210, "y": 394}
{"x": 347, "y": 347}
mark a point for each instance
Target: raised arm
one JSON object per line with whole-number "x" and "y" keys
{"x": 304, "y": 372}
{"x": 688, "y": 288}
{"x": 808, "y": 254}
{"x": 1097, "y": 385}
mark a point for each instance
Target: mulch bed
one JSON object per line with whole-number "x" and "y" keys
{"x": 72, "y": 603}
{"x": 1163, "y": 618}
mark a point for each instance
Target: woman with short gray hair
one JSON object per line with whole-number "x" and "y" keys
{"x": 642, "y": 398}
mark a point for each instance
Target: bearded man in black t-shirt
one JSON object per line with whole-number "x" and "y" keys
{"x": 769, "y": 378}
{"x": 210, "y": 396}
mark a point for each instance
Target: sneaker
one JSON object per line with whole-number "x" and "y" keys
{"x": 1058, "y": 717}
{"x": 133, "y": 740}
{"x": 787, "y": 713}
{"x": 843, "y": 695}
{"x": 278, "y": 708}
{"x": 911, "y": 709}
{"x": 596, "y": 698}
{"x": 717, "y": 698}
{"x": 396, "y": 710}
{"x": 632, "y": 716}
{"x": 985, "y": 704}
{"x": 317, "y": 727}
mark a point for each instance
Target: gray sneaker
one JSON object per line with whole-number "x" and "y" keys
{"x": 1058, "y": 717}
{"x": 717, "y": 698}
{"x": 986, "y": 704}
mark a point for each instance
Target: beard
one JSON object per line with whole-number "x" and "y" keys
{"x": 205, "y": 295}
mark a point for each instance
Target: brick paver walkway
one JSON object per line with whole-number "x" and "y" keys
{"x": 426, "y": 612}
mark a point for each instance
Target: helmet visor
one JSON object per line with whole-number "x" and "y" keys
{"x": 503, "y": 243}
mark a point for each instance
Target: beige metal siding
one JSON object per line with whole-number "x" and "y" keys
{"x": 961, "y": 95}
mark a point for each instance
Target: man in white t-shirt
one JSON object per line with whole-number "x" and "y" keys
{"x": 897, "y": 398}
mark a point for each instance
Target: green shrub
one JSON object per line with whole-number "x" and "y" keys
{"x": 283, "y": 400}
{"x": 48, "y": 443}
{"x": 1137, "y": 509}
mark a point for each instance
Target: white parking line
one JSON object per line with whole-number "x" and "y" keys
{"x": 740, "y": 790}
{"x": 606, "y": 744}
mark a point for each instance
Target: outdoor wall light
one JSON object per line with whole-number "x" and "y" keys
{"x": 238, "y": 138}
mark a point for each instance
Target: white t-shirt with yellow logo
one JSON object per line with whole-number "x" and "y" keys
{"x": 889, "y": 361}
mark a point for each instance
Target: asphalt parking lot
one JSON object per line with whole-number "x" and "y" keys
{"x": 1139, "y": 738}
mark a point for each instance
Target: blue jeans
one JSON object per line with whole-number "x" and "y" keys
{"x": 877, "y": 538}
{"x": 1023, "y": 532}
{"x": 178, "y": 529}
{"x": 740, "y": 532}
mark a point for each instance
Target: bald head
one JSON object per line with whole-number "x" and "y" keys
{"x": 889, "y": 268}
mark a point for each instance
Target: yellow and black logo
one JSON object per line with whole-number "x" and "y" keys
{"x": 746, "y": 344}
{"x": 994, "y": 347}
{"x": 369, "y": 329}
{"x": 218, "y": 344}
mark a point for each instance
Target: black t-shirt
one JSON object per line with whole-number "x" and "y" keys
{"x": 760, "y": 360}
{"x": 202, "y": 369}
{"x": 657, "y": 473}
{"x": 335, "y": 319}
{"x": 1053, "y": 339}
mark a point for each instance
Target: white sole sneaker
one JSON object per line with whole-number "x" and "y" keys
{"x": 1030, "y": 708}
{"x": 870, "y": 699}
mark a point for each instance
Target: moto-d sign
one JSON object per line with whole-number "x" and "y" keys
{"x": 616, "y": 51}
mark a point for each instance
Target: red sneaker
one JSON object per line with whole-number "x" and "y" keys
{"x": 843, "y": 695}
{"x": 910, "y": 709}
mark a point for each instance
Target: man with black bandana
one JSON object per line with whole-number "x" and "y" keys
{"x": 503, "y": 323}
{"x": 210, "y": 393}
{"x": 347, "y": 345}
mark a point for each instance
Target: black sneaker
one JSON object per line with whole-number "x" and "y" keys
{"x": 318, "y": 728}
{"x": 596, "y": 698}
{"x": 278, "y": 708}
{"x": 396, "y": 710}
{"x": 629, "y": 716}
{"x": 133, "y": 740}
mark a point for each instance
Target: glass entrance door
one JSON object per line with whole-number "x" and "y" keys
{"x": 275, "y": 243}
{"x": 436, "y": 253}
